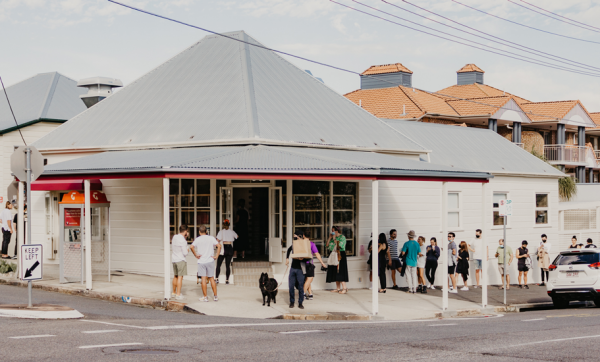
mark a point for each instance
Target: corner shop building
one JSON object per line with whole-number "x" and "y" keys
{"x": 224, "y": 121}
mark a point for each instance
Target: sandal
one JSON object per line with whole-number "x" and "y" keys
{"x": 382, "y": 291}
{"x": 500, "y": 288}
{"x": 344, "y": 291}
{"x": 335, "y": 291}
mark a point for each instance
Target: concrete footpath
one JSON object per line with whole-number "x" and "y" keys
{"x": 246, "y": 302}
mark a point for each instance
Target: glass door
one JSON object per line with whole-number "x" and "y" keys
{"x": 275, "y": 224}
{"x": 226, "y": 203}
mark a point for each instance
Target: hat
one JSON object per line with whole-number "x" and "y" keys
{"x": 411, "y": 234}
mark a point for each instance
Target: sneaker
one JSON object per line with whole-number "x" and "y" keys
{"x": 300, "y": 306}
{"x": 395, "y": 287}
{"x": 419, "y": 288}
{"x": 453, "y": 291}
{"x": 424, "y": 290}
{"x": 409, "y": 291}
{"x": 311, "y": 297}
{"x": 216, "y": 299}
{"x": 451, "y": 288}
{"x": 179, "y": 297}
{"x": 173, "y": 295}
{"x": 14, "y": 257}
{"x": 227, "y": 282}
{"x": 464, "y": 288}
{"x": 204, "y": 299}
{"x": 217, "y": 281}
{"x": 542, "y": 284}
{"x": 526, "y": 287}
{"x": 432, "y": 287}
{"x": 291, "y": 305}
{"x": 475, "y": 287}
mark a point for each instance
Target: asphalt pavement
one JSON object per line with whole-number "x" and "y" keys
{"x": 115, "y": 331}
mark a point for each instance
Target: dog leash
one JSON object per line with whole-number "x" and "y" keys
{"x": 282, "y": 279}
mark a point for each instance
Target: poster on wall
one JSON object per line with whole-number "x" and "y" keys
{"x": 72, "y": 217}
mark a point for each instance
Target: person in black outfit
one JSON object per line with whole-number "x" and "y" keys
{"x": 590, "y": 244}
{"x": 296, "y": 278}
{"x": 382, "y": 242}
{"x": 522, "y": 255}
{"x": 462, "y": 266}
{"x": 574, "y": 244}
{"x": 431, "y": 263}
{"x": 240, "y": 226}
{"x": 15, "y": 223}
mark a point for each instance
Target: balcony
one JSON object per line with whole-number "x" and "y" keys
{"x": 569, "y": 155}
{"x": 519, "y": 145}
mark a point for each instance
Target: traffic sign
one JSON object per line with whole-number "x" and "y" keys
{"x": 505, "y": 208}
{"x": 18, "y": 163}
{"x": 31, "y": 262}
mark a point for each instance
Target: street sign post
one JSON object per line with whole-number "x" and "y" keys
{"x": 31, "y": 262}
{"x": 505, "y": 210}
{"x": 27, "y": 164}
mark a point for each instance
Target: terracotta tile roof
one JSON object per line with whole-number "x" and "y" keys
{"x": 548, "y": 111}
{"x": 479, "y": 106}
{"x": 470, "y": 68}
{"x": 596, "y": 118}
{"x": 386, "y": 68}
{"x": 389, "y": 102}
{"x": 476, "y": 90}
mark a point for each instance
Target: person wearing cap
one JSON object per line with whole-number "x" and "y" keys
{"x": 411, "y": 250}
{"x": 225, "y": 237}
{"x": 590, "y": 244}
{"x": 522, "y": 256}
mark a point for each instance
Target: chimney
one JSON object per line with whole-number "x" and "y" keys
{"x": 98, "y": 89}
{"x": 386, "y": 76}
{"x": 469, "y": 74}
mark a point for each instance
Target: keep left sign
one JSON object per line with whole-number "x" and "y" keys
{"x": 31, "y": 262}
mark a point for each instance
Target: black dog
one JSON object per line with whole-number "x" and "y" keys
{"x": 268, "y": 287}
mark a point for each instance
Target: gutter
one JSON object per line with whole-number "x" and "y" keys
{"x": 26, "y": 124}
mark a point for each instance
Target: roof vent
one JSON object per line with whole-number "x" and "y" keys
{"x": 469, "y": 74}
{"x": 98, "y": 89}
{"x": 386, "y": 76}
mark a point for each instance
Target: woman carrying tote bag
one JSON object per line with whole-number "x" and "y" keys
{"x": 337, "y": 265}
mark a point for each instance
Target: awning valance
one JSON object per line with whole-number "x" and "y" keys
{"x": 63, "y": 185}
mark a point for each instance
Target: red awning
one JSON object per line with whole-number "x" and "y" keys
{"x": 63, "y": 185}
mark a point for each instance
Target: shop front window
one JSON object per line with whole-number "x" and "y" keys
{"x": 189, "y": 204}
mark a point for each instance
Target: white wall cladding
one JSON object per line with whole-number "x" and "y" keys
{"x": 136, "y": 225}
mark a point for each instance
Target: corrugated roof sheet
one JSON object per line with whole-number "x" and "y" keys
{"x": 221, "y": 90}
{"x": 470, "y": 68}
{"x": 386, "y": 68}
{"x": 263, "y": 159}
{"x": 474, "y": 149}
{"x": 43, "y": 96}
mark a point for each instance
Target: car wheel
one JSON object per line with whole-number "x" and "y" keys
{"x": 560, "y": 303}
{"x": 597, "y": 302}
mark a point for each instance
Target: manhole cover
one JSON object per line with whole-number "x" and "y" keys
{"x": 149, "y": 351}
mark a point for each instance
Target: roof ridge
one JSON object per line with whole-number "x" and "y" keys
{"x": 247, "y": 74}
{"x": 49, "y": 94}
{"x": 486, "y": 93}
{"x": 545, "y": 102}
{"x": 420, "y": 107}
{"x": 470, "y": 99}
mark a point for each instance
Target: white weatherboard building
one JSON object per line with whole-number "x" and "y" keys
{"x": 224, "y": 121}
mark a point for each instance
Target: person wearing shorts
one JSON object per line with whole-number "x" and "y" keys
{"x": 452, "y": 257}
{"x": 500, "y": 256}
{"x": 309, "y": 276}
{"x": 179, "y": 251}
{"x": 479, "y": 252}
{"x": 204, "y": 250}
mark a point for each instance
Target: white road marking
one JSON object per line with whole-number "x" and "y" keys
{"x": 111, "y": 345}
{"x": 435, "y": 325}
{"x": 556, "y": 340}
{"x": 294, "y": 332}
{"x": 103, "y": 331}
{"x": 199, "y": 326}
{"x": 532, "y": 320}
{"x": 38, "y": 336}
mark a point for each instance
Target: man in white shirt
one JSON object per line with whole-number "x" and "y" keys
{"x": 204, "y": 250}
{"x": 179, "y": 247}
{"x": 479, "y": 252}
{"x": 7, "y": 228}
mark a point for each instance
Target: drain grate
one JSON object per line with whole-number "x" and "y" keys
{"x": 149, "y": 351}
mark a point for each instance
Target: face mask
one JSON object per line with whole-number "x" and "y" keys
{"x": 477, "y": 236}
{"x": 332, "y": 233}
{"x": 502, "y": 246}
{"x": 544, "y": 240}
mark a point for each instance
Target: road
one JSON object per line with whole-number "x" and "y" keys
{"x": 109, "y": 329}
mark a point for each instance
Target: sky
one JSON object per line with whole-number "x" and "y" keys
{"x": 85, "y": 38}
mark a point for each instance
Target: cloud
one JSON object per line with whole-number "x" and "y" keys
{"x": 336, "y": 22}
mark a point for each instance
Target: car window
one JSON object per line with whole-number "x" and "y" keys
{"x": 577, "y": 258}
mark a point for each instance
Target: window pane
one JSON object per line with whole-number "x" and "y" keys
{"x": 541, "y": 217}
{"x": 187, "y": 193}
{"x": 498, "y": 197}
{"x": 173, "y": 192}
{"x": 453, "y": 220}
{"x": 452, "y": 201}
{"x": 498, "y": 220}
{"x": 541, "y": 200}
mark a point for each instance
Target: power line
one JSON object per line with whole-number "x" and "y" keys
{"x": 482, "y": 32}
{"x": 11, "y": 111}
{"x": 495, "y": 51}
{"x": 323, "y": 64}
{"x": 523, "y": 25}
{"x": 587, "y": 27}
{"x": 564, "y": 17}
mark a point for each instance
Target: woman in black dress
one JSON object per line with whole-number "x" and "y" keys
{"x": 463, "y": 264}
{"x": 339, "y": 273}
{"x": 522, "y": 255}
{"x": 383, "y": 245}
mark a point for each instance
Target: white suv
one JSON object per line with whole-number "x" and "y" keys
{"x": 574, "y": 275}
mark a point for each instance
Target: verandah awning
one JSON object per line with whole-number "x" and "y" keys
{"x": 64, "y": 185}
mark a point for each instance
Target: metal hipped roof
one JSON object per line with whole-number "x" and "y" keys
{"x": 256, "y": 159}
{"x": 474, "y": 148}
{"x": 46, "y": 96}
{"x": 224, "y": 91}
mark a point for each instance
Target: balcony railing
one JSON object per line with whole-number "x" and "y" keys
{"x": 565, "y": 154}
{"x": 597, "y": 154}
{"x": 519, "y": 144}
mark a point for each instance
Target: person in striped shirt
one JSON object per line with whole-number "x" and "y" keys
{"x": 393, "y": 257}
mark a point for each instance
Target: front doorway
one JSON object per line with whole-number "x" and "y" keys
{"x": 255, "y": 214}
